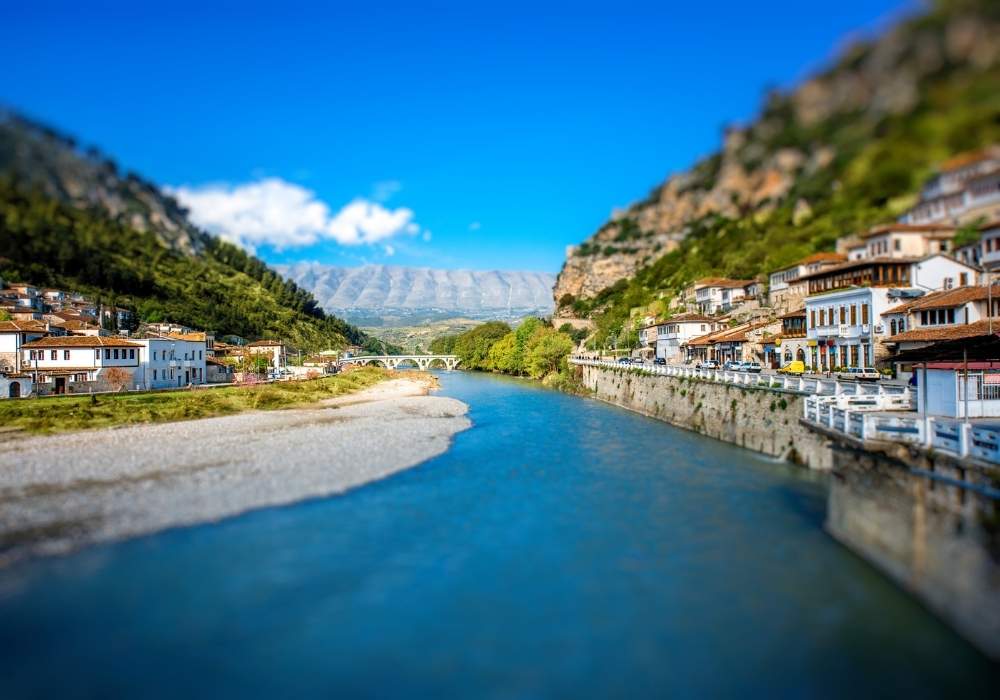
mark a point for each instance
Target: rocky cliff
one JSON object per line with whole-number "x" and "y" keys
{"x": 798, "y": 135}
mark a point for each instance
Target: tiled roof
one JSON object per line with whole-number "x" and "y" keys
{"x": 22, "y": 327}
{"x": 944, "y": 299}
{"x": 722, "y": 282}
{"x": 81, "y": 341}
{"x": 970, "y": 330}
{"x": 73, "y": 324}
{"x": 822, "y": 257}
{"x": 264, "y": 343}
{"x": 970, "y": 157}
{"x": 193, "y": 336}
{"x": 798, "y": 313}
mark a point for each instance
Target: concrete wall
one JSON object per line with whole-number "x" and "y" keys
{"x": 938, "y": 540}
{"x": 759, "y": 419}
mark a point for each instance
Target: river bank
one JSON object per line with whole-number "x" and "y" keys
{"x": 60, "y": 492}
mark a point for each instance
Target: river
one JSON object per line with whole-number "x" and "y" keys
{"x": 562, "y": 547}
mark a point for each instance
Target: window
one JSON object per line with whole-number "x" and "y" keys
{"x": 201, "y": 354}
{"x": 154, "y": 356}
{"x": 53, "y": 354}
{"x": 65, "y": 354}
{"x": 963, "y": 279}
{"x": 892, "y": 327}
{"x": 843, "y": 315}
{"x": 154, "y": 375}
{"x": 812, "y": 318}
{"x": 79, "y": 377}
{"x": 107, "y": 354}
{"x": 97, "y": 355}
{"x": 864, "y": 313}
{"x": 115, "y": 353}
{"x": 896, "y": 244}
{"x": 131, "y": 354}
{"x": 822, "y": 317}
{"x": 854, "y": 315}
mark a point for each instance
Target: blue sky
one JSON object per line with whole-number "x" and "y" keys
{"x": 478, "y": 135}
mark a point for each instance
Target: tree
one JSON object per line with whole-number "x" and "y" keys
{"x": 117, "y": 378}
{"x": 547, "y": 352}
{"x": 503, "y": 355}
{"x": 473, "y": 346}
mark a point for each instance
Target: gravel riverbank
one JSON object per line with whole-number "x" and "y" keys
{"x": 61, "y": 492}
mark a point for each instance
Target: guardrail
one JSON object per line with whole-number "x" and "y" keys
{"x": 880, "y": 396}
{"x": 863, "y": 410}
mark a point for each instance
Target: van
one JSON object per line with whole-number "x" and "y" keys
{"x": 793, "y": 367}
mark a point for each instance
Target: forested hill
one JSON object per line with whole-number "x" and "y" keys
{"x": 846, "y": 149}
{"x": 70, "y": 219}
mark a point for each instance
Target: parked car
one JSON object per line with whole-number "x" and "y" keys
{"x": 732, "y": 365}
{"x": 707, "y": 364}
{"x": 793, "y": 367}
{"x": 860, "y": 374}
{"x": 752, "y": 367}
{"x": 624, "y": 360}
{"x": 660, "y": 361}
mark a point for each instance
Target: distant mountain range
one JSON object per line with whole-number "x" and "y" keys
{"x": 366, "y": 292}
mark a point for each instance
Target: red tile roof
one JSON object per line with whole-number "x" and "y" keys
{"x": 22, "y": 327}
{"x": 81, "y": 341}
{"x": 944, "y": 299}
{"x": 970, "y": 330}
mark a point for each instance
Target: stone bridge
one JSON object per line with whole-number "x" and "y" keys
{"x": 394, "y": 361}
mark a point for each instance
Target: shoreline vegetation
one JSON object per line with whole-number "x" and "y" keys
{"x": 94, "y": 411}
{"x": 534, "y": 349}
{"x": 138, "y": 479}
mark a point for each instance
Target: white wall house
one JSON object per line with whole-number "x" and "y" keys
{"x": 844, "y": 312}
{"x": 967, "y": 188}
{"x": 907, "y": 241}
{"x": 717, "y": 294}
{"x": 273, "y": 350}
{"x": 78, "y": 363}
{"x": 13, "y": 336}
{"x": 673, "y": 334}
{"x": 171, "y": 362}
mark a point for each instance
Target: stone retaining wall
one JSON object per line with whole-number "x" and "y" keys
{"x": 764, "y": 420}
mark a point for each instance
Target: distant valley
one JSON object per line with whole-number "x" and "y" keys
{"x": 390, "y": 295}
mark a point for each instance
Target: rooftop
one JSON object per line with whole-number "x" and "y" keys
{"x": 944, "y": 299}
{"x": 969, "y": 330}
{"x": 81, "y": 341}
{"x": 22, "y": 327}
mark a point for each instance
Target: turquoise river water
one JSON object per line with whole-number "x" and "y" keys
{"x": 561, "y": 548}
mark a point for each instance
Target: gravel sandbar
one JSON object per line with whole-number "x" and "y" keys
{"x": 60, "y": 492}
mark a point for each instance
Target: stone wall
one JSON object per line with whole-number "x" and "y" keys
{"x": 931, "y": 530}
{"x": 765, "y": 420}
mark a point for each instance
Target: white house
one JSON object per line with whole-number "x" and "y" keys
{"x": 79, "y": 363}
{"x": 967, "y": 188}
{"x": 273, "y": 350}
{"x": 172, "y": 361}
{"x": 907, "y": 240}
{"x": 846, "y": 303}
{"x": 988, "y": 246}
{"x": 674, "y": 333}
{"x": 718, "y": 294}
{"x": 13, "y": 336}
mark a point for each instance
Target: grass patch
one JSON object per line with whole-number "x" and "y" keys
{"x": 66, "y": 413}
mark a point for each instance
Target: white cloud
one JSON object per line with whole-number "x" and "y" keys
{"x": 475, "y": 226}
{"x": 385, "y": 189}
{"x": 390, "y": 251}
{"x": 282, "y": 214}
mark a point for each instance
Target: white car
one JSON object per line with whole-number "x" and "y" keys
{"x": 707, "y": 364}
{"x": 860, "y": 374}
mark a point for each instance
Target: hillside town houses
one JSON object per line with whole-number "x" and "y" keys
{"x": 891, "y": 289}
{"x": 54, "y": 341}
